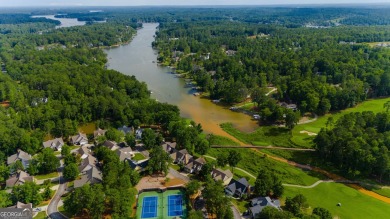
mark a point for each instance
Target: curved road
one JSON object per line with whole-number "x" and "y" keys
{"x": 52, "y": 209}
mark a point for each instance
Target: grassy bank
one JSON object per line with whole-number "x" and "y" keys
{"x": 262, "y": 136}
{"x": 353, "y": 203}
{"x": 304, "y": 140}
{"x": 253, "y": 162}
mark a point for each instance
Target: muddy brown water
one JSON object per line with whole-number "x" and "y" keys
{"x": 138, "y": 58}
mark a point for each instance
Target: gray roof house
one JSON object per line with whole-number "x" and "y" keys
{"x": 91, "y": 176}
{"x": 84, "y": 151}
{"x": 195, "y": 166}
{"x": 99, "y": 132}
{"x": 261, "y": 202}
{"x": 182, "y": 157}
{"x": 169, "y": 147}
{"x": 138, "y": 165}
{"x": 24, "y": 157}
{"x": 87, "y": 163}
{"x": 79, "y": 139}
{"x": 21, "y": 205}
{"x": 55, "y": 144}
{"x": 138, "y": 133}
{"x": 125, "y": 153}
{"x": 18, "y": 179}
{"x": 126, "y": 130}
{"x": 224, "y": 175}
{"x": 238, "y": 188}
{"x": 112, "y": 145}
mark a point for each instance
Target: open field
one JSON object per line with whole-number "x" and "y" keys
{"x": 353, "y": 203}
{"x": 254, "y": 162}
{"x": 304, "y": 140}
{"x": 88, "y": 128}
{"x": 262, "y": 136}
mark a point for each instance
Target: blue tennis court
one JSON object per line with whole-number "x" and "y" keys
{"x": 149, "y": 207}
{"x": 175, "y": 205}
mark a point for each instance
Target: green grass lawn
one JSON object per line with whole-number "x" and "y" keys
{"x": 47, "y": 176}
{"x": 138, "y": 157}
{"x": 220, "y": 140}
{"x": 353, "y": 203}
{"x": 175, "y": 167}
{"x": 253, "y": 162}
{"x": 304, "y": 140}
{"x": 262, "y": 136}
{"x": 241, "y": 205}
{"x": 41, "y": 215}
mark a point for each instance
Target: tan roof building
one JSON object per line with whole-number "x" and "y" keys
{"x": 224, "y": 175}
{"x": 18, "y": 179}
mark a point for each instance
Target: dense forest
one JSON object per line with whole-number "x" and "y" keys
{"x": 358, "y": 144}
{"x": 319, "y": 69}
{"x": 56, "y": 81}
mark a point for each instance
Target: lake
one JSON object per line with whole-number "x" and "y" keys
{"x": 138, "y": 58}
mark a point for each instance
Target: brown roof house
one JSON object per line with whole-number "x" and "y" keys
{"x": 91, "y": 176}
{"x": 99, "y": 132}
{"x": 125, "y": 153}
{"x": 55, "y": 144}
{"x": 169, "y": 147}
{"x": 182, "y": 157}
{"x": 24, "y": 157}
{"x": 87, "y": 163}
{"x": 112, "y": 145}
{"x": 18, "y": 179}
{"x": 79, "y": 139}
{"x": 224, "y": 175}
{"x": 195, "y": 166}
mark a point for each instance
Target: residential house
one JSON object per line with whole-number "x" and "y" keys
{"x": 91, "y": 176}
{"x": 224, "y": 175}
{"x": 88, "y": 163}
{"x": 181, "y": 157}
{"x": 24, "y": 157}
{"x": 84, "y": 151}
{"x": 195, "y": 166}
{"x": 257, "y": 205}
{"x": 21, "y": 205}
{"x": 55, "y": 144}
{"x": 238, "y": 188}
{"x": 293, "y": 107}
{"x": 18, "y": 179}
{"x": 126, "y": 130}
{"x": 99, "y": 132}
{"x": 79, "y": 139}
{"x": 112, "y": 145}
{"x": 125, "y": 153}
{"x": 138, "y": 165}
{"x": 169, "y": 147}
{"x": 138, "y": 134}
{"x": 230, "y": 52}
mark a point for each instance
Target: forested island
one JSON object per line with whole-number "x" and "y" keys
{"x": 283, "y": 64}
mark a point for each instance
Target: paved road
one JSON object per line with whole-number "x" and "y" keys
{"x": 236, "y": 212}
{"x": 52, "y": 209}
{"x": 176, "y": 174}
